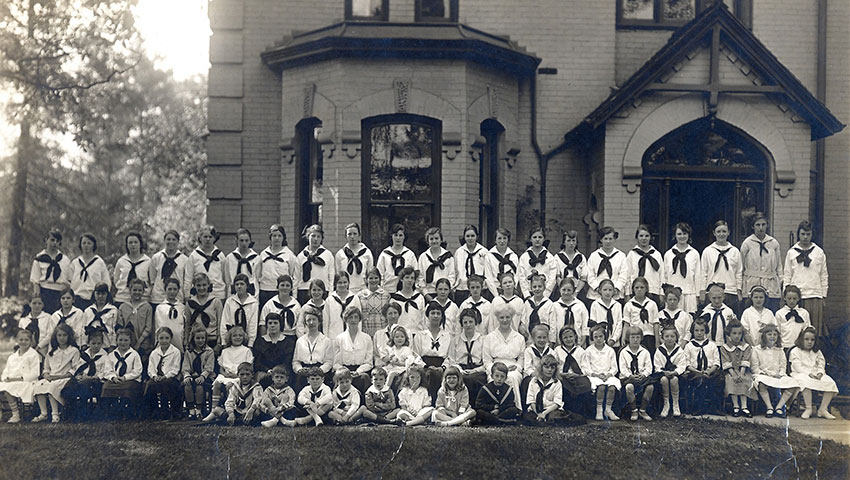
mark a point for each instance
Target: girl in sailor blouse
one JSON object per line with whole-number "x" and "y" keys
{"x": 470, "y": 259}
{"x": 316, "y": 262}
{"x": 435, "y": 263}
{"x": 682, "y": 268}
{"x": 393, "y": 259}
{"x": 50, "y": 273}
{"x": 570, "y": 263}
{"x": 208, "y": 259}
{"x": 536, "y": 258}
{"x": 168, "y": 263}
{"x": 275, "y": 260}
{"x": 242, "y": 260}
{"x": 500, "y": 260}
{"x": 606, "y": 263}
{"x": 87, "y": 270}
{"x": 355, "y": 258}
{"x": 133, "y": 264}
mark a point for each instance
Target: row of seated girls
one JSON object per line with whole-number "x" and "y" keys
{"x": 429, "y": 376}
{"x": 195, "y": 320}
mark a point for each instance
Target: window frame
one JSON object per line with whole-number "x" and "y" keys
{"x": 419, "y": 18}
{"x": 307, "y": 149}
{"x": 383, "y": 17}
{"x": 489, "y": 174}
{"x": 367, "y": 124}
{"x": 742, "y": 9}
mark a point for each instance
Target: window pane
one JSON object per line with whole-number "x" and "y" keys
{"x": 366, "y": 8}
{"x": 638, "y": 9}
{"x": 679, "y": 9}
{"x": 415, "y": 218}
{"x": 436, "y": 8}
{"x": 401, "y": 165}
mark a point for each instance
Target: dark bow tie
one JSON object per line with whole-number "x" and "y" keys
{"x": 668, "y": 320}
{"x": 240, "y": 318}
{"x": 644, "y": 313}
{"x": 311, "y": 259}
{"x": 244, "y": 262}
{"x": 440, "y": 263}
{"x": 605, "y": 265}
{"x": 534, "y": 317}
{"x": 803, "y": 256}
{"x": 702, "y": 360}
{"x": 569, "y": 316}
{"x": 680, "y": 262}
{"x": 354, "y": 262}
{"x": 169, "y": 266}
{"x": 535, "y": 260}
{"x": 795, "y": 315}
{"x": 396, "y": 260}
{"x": 172, "y": 311}
{"x": 505, "y": 263}
{"x": 89, "y": 366}
{"x": 209, "y": 259}
{"x": 287, "y": 313}
{"x": 634, "y": 365}
{"x": 199, "y": 311}
{"x": 274, "y": 257}
{"x": 646, "y": 257}
{"x": 84, "y": 273}
{"x": 121, "y": 363}
{"x": 407, "y": 302}
{"x": 53, "y": 268}
{"x": 721, "y": 255}
{"x": 571, "y": 266}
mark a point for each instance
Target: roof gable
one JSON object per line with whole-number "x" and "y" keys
{"x": 712, "y": 28}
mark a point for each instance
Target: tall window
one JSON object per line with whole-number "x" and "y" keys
{"x": 488, "y": 185}
{"x": 401, "y": 177}
{"x": 377, "y": 10}
{"x": 436, "y": 10}
{"x": 309, "y": 171}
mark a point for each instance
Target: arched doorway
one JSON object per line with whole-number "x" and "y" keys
{"x": 701, "y": 172}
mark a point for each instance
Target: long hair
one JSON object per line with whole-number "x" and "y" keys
{"x": 453, "y": 370}
{"x": 54, "y": 343}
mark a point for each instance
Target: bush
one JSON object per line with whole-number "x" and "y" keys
{"x": 11, "y": 309}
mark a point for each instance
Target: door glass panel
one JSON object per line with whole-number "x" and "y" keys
{"x": 401, "y": 166}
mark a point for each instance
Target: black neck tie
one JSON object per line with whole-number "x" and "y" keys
{"x": 89, "y": 367}
{"x": 240, "y": 318}
{"x": 196, "y": 364}
{"x": 435, "y": 345}
{"x": 571, "y": 266}
{"x": 646, "y": 257}
{"x": 199, "y": 311}
{"x": 702, "y": 360}
{"x": 803, "y": 256}
{"x": 569, "y": 317}
{"x": 343, "y": 304}
{"x": 440, "y": 263}
{"x": 718, "y": 317}
{"x": 470, "y": 264}
{"x": 169, "y": 266}
{"x": 505, "y": 263}
{"x": 315, "y": 258}
{"x": 132, "y": 275}
{"x": 668, "y": 320}
{"x": 721, "y": 255}
{"x": 668, "y": 365}
{"x": 570, "y": 363}
{"x": 121, "y": 363}
{"x": 634, "y": 365}
{"x": 534, "y": 260}
{"x": 407, "y": 302}
{"x": 538, "y": 400}
{"x": 680, "y": 262}
{"x": 538, "y": 353}
{"x": 762, "y": 247}
{"x": 172, "y": 312}
{"x": 396, "y": 260}
{"x": 274, "y": 257}
{"x": 354, "y": 262}
{"x": 34, "y": 328}
{"x": 53, "y": 268}
{"x": 605, "y": 264}
{"x": 64, "y": 318}
{"x": 287, "y": 313}
{"x": 209, "y": 259}
{"x": 534, "y": 318}
{"x": 644, "y": 314}
{"x": 159, "y": 370}
{"x": 84, "y": 273}
{"x": 469, "y": 362}
{"x": 244, "y": 262}
{"x": 342, "y": 399}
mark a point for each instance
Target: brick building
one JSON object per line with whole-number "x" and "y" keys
{"x": 451, "y": 112}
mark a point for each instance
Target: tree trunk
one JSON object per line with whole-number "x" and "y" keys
{"x": 16, "y": 219}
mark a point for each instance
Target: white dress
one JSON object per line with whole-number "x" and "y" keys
{"x": 62, "y": 362}
{"x": 805, "y": 362}
{"x": 595, "y": 362}
{"x": 768, "y": 366}
{"x": 25, "y": 366}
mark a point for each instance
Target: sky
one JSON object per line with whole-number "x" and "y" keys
{"x": 175, "y": 32}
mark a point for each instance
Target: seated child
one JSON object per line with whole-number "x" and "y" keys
{"x": 575, "y": 383}
{"x": 769, "y": 366}
{"x": 467, "y": 349}
{"x": 495, "y": 404}
{"x": 642, "y": 312}
{"x": 674, "y": 316}
{"x": 243, "y": 399}
{"x": 170, "y": 313}
{"x": 791, "y": 318}
{"x": 599, "y": 364}
{"x": 278, "y": 401}
{"x": 346, "y": 402}
{"x": 198, "y": 370}
{"x": 670, "y": 362}
{"x": 315, "y": 400}
{"x": 532, "y": 355}
{"x": 398, "y": 356}
{"x": 716, "y": 314}
{"x": 703, "y": 378}
{"x": 544, "y": 399}
{"x": 39, "y": 323}
{"x": 101, "y": 314}
{"x": 735, "y": 359}
{"x": 59, "y": 366}
{"x": 756, "y": 315}
{"x": 163, "y": 370}
{"x": 380, "y": 401}
{"x": 20, "y": 373}
{"x": 122, "y": 377}
{"x": 414, "y": 400}
{"x": 231, "y": 357}
{"x": 636, "y": 373}
{"x": 808, "y": 368}
{"x": 452, "y": 407}
{"x": 87, "y": 382}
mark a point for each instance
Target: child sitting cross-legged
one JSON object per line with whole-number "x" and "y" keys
{"x": 452, "y": 401}
{"x": 278, "y": 401}
{"x": 495, "y": 404}
{"x": 346, "y": 401}
{"x": 243, "y": 399}
{"x": 315, "y": 400}
{"x": 380, "y": 401}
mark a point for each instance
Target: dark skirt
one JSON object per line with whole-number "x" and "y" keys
{"x": 76, "y": 390}
{"x": 126, "y": 389}
{"x": 265, "y": 296}
{"x": 641, "y": 385}
{"x": 576, "y": 386}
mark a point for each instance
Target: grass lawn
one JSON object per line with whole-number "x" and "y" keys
{"x": 670, "y": 449}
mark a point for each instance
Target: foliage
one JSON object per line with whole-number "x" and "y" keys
{"x": 108, "y": 143}
{"x": 528, "y": 215}
{"x": 11, "y": 309}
